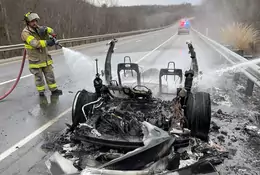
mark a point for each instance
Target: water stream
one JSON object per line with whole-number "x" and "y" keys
{"x": 81, "y": 66}
{"x": 235, "y": 68}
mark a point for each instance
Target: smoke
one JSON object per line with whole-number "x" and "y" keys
{"x": 211, "y": 16}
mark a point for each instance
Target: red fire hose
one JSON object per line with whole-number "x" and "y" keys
{"x": 18, "y": 78}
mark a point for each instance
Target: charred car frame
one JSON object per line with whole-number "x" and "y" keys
{"x": 146, "y": 132}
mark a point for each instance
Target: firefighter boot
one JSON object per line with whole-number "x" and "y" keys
{"x": 41, "y": 94}
{"x": 57, "y": 92}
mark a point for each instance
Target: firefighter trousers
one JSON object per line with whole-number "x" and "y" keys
{"x": 40, "y": 73}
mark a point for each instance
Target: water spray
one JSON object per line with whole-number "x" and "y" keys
{"x": 239, "y": 65}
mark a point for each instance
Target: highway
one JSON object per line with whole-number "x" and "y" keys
{"x": 27, "y": 121}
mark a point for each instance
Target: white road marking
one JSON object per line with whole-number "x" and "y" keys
{"x": 138, "y": 41}
{"x": 11, "y": 62}
{"x": 149, "y": 53}
{"x": 27, "y": 139}
{"x": 9, "y": 81}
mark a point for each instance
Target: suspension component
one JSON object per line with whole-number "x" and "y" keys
{"x": 188, "y": 80}
{"x": 98, "y": 83}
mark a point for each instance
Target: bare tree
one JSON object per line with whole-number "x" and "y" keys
{"x": 4, "y": 21}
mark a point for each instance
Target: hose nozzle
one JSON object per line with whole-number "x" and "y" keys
{"x": 60, "y": 45}
{"x": 57, "y": 43}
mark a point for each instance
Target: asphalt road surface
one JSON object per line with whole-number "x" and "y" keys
{"x": 27, "y": 121}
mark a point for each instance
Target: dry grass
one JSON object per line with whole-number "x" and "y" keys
{"x": 241, "y": 36}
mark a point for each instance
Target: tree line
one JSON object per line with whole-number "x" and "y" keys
{"x": 77, "y": 18}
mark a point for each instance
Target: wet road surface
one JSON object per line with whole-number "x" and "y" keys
{"x": 23, "y": 112}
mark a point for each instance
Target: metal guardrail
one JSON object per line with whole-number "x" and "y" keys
{"x": 252, "y": 72}
{"x": 81, "y": 39}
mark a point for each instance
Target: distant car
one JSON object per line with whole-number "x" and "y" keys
{"x": 184, "y": 27}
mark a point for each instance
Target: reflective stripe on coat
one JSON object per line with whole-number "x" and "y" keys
{"x": 36, "y": 47}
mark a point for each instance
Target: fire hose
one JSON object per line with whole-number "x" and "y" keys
{"x": 17, "y": 79}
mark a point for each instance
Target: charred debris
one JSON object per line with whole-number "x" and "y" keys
{"x": 125, "y": 130}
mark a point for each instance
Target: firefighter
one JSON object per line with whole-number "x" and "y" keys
{"x": 36, "y": 39}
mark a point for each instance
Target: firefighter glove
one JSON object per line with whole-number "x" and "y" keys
{"x": 50, "y": 42}
{"x": 42, "y": 31}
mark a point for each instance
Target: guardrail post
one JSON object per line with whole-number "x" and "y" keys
{"x": 249, "y": 88}
{"x": 250, "y": 83}
{"x": 3, "y": 55}
{"x": 237, "y": 75}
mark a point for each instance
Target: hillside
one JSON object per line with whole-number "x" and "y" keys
{"x": 75, "y": 18}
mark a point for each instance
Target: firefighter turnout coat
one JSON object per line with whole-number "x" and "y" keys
{"x": 36, "y": 47}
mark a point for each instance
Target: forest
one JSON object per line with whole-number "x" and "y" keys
{"x": 77, "y": 18}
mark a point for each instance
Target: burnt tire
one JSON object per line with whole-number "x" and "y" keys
{"x": 81, "y": 98}
{"x": 198, "y": 113}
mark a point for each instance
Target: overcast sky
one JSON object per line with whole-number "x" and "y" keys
{"x": 163, "y": 2}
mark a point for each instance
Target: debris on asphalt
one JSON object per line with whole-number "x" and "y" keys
{"x": 224, "y": 133}
{"x": 252, "y": 130}
{"x": 228, "y": 148}
{"x": 214, "y": 127}
{"x": 128, "y": 135}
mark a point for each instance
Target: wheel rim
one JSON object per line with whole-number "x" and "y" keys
{"x": 74, "y": 104}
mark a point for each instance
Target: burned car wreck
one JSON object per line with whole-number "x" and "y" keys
{"x": 126, "y": 130}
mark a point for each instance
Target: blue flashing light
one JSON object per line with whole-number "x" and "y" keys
{"x": 187, "y": 24}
